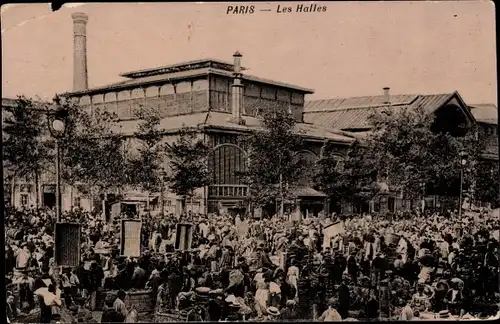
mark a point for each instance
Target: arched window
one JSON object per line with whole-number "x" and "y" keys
{"x": 224, "y": 163}
{"x": 310, "y": 158}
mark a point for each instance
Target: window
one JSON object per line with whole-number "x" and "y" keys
{"x": 24, "y": 200}
{"x": 169, "y": 203}
{"x": 77, "y": 202}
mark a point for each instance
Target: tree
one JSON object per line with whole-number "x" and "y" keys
{"x": 487, "y": 185}
{"x": 188, "y": 164}
{"x": 399, "y": 145}
{"x": 409, "y": 155}
{"x": 346, "y": 178}
{"x": 91, "y": 152}
{"x": 25, "y": 141}
{"x": 145, "y": 168}
{"x": 274, "y": 167}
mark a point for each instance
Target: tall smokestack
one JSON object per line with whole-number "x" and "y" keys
{"x": 237, "y": 91}
{"x": 387, "y": 96}
{"x": 80, "y": 78}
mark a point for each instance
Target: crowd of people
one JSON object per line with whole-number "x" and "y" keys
{"x": 239, "y": 268}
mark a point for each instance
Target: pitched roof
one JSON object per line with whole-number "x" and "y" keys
{"x": 307, "y": 192}
{"x": 7, "y": 102}
{"x": 353, "y": 113}
{"x": 184, "y": 66}
{"x": 181, "y": 74}
{"x": 222, "y": 121}
{"x": 485, "y": 113}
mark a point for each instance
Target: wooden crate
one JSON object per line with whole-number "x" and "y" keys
{"x": 142, "y": 300}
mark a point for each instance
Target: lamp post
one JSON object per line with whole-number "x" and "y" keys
{"x": 463, "y": 163}
{"x": 57, "y": 126}
{"x": 162, "y": 191}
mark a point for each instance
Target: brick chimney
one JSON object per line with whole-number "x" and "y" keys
{"x": 237, "y": 91}
{"x": 387, "y": 96}
{"x": 80, "y": 78}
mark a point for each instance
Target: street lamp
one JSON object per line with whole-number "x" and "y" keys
{"x": 163, "y": 175}
{"x": 57, "y": 126}
{"x": 463, "y": 163}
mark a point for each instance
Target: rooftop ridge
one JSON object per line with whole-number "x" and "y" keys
{"x": 406, "y": 102}
{"x": 180, "y": 67}
{"x": 392, "y": 95}
{"x": 133, "y": 82}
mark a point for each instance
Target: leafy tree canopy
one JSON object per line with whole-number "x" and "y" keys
{"x": 188, "y": 163}
{"x": 273, "y": 159}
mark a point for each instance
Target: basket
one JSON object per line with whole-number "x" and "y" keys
{"x": 163, "y": 317}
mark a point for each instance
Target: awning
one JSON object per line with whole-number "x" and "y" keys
{"x": 307, "y": 192}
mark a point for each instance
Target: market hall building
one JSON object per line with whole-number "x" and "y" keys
{"x": 223, "y": 102}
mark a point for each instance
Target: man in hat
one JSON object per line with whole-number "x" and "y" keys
{"x": 139, "y": 277}
{"x": 66, "y": 285}
{"x": 119, "y": 303}
{"x": 330, "y": 314}
{"x": 25, "y": 284}
{"x": 11, "y": 309}
{"x": 22, "y": 256}
{"x": 273, "y": 314}
{"x": 110, "y": 315}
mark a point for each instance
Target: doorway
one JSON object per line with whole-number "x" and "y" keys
{"x": 49, "y": 199}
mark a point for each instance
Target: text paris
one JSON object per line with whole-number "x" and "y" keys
{"x": 301, "y": 8}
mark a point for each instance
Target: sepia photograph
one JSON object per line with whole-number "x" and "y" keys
{"x": 250, "y": 161}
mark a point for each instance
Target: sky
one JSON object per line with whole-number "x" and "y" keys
{"x": 352, "y": 49}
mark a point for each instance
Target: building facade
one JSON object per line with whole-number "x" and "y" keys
{"x": 222, "y": 103}
{"x": 451, "y": 115}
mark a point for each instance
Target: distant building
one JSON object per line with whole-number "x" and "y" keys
{"x": 451, "y": 113}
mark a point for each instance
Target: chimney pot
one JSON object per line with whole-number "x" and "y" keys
{"x": 80, "y": 77}
{"x": 237, "y": 62}
{"x": 387, "y": 96}
{"x": 237, "y": 90}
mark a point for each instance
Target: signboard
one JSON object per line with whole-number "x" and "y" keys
{"x": 130, "y": 238}
{"x": 67, "y": 244}
{"x": 331, "y": 231}
{"x": 183, "y": 237}
{"x": 296, "y": 216}
{"x": 257, "y": 213}
{"x": 115, "y": 211}
{"x": 243, "y": 228}
{"x": 283, "y": 259}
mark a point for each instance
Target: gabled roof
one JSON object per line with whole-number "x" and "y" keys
{"x": 485, "y": 113}
{"x": 353, "y": 113}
